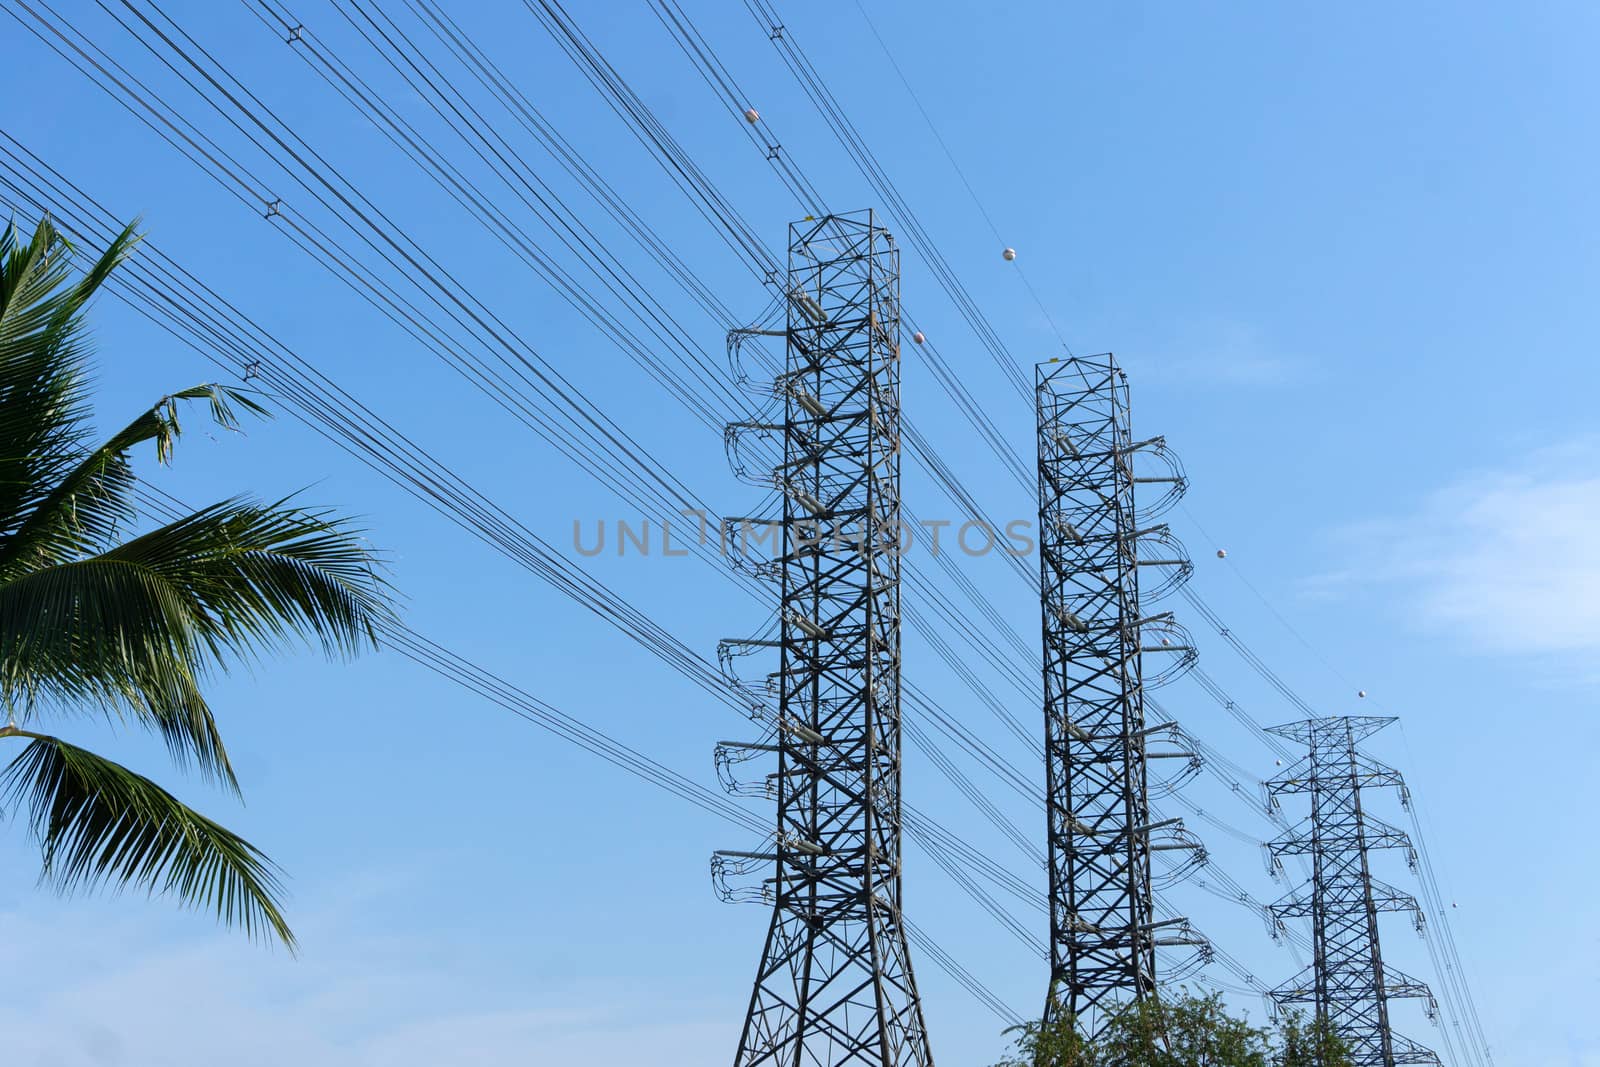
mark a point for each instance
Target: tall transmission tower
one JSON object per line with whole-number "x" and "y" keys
{"x": 835, "y": 985}
{"x": 1094, "y": 541}
{"x": 1348, "y": 984}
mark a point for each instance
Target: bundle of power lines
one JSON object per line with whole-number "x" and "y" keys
{"x": 364, "y": 249}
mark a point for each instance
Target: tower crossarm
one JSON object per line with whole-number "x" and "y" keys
{"x": 1302, "y": 840}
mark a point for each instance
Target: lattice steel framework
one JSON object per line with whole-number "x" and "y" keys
{"x": 1347, "y": 984}
{"x": 835, "y": 984}
{"x": 1103, "y": 933}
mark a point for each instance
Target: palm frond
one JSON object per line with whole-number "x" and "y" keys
{"x": 44, "y": 426}
{"x": 101, "y": 824}
{"x": 34, "y": 296}
{"x": 137, "y": 628}
{"x": 117, "y": 636}
{"x": 87, "y": 504}
{"x": 132, "y": 629}
{"x": 264, "y": 575}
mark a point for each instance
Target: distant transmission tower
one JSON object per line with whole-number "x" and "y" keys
{"x": 1094, "y": 541}
{"x": 834, "y": 986}
{"x": 1348, "y": 985}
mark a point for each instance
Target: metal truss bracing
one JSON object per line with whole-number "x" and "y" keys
{"x": 1103, "y": 930}
{"x": 1348, "y": 984}
{"x": 835, "y": 984}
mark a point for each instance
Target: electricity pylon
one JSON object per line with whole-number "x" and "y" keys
{"x": 1103, "y": 930}
{"x": 835, "y": 985}
{"x": 1348, "y": 984}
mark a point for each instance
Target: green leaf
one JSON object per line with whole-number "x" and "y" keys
{"x": 90, "y": 501}
{"x": 43, "y": 389}
{"x": 265, "y": 575}
{"x": 137, "y": 628}
{"x": 101, "y": 824}
{"x": 131, "y": 629}
{"x": 111, "y": 635}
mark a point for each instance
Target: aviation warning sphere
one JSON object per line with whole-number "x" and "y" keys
{"x": 917, "y": 337}
{"x": 1361, "y": 692}
{"x": 751, "y": 115}
{"x": 1009, "y": 254}
{"x": 1222, "y": 553}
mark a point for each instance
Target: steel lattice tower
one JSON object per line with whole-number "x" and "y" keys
{"x": 1103, "y": 932}
{"x": 835, "y": 985}
{"x": 1347, "y": 984}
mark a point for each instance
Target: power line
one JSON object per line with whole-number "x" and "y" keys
{"x": 966, "y": 183}
{"x": 269, "y": 203}
{"x": 828, "y": 106}
{"x": 195, "y": 302}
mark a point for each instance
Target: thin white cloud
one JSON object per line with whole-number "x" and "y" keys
{"x": 102, "y": 1002}
{"x": 1508, "y": 560}
{"x": 1222, "y": 353}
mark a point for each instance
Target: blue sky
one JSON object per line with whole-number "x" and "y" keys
{"x": 1347, "y": 256}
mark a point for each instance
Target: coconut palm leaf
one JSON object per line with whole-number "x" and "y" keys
{"x": 100, "y": 823}
{"x": 40, "y": 313}
{"x": 43, "y": 391}
{"x": 263, "y": 575}
{"x": 90, "y": 502}
{"x": 110, "y": 635}
{"x": 91, "y": 622}
{"x": 230, "y": 581}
